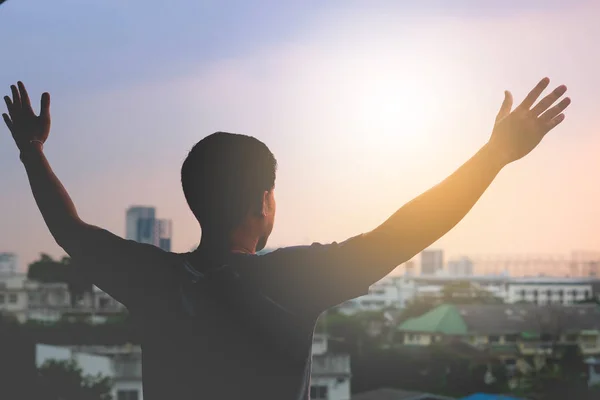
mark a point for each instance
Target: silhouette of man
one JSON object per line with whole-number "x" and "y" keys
{"x": 222, "y": 322}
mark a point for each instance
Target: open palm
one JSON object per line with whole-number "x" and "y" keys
{"x": 22, "y": 122}
{"x": 518, "y": 132}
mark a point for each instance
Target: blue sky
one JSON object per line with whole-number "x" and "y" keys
{"x": 135, "y": 86}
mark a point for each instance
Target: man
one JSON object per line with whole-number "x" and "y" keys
{"x": 222, "y": 322}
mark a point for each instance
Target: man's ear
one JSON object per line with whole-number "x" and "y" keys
{"x": 264, "y": 208}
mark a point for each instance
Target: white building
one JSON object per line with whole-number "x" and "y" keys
{"x": 330, "y": 378}
{"x": 382, "y": 294}
{"x": 13, "y": 297}
{"x": 8, "y": 264}
{"x": 397, "y": 291}
{"x": 548, "y": 290}
{"x": 123, "y": 364}
{"x": 49, "y": 302}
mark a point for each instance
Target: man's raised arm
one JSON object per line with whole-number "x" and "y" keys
{"x": 424, "y": 220}
{"x": 108, "y": 259}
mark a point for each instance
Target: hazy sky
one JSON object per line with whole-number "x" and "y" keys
{"x": 365, "y": 105}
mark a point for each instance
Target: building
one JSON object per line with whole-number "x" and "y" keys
{"x": 330, "y": 378}
{"x": 545, "y": 290}
{"x": 461, "y": 267}
{"x": 140, "y": 224}
{"x": 432, "y": 262}
{"x": 383, "y": 294}
{"x": 50, "y": 302}
{"x": 143, "y": 226}
{"x": 164, "y": 231}
{"x": 8, "y": 264}
{"x": 396, "y": 394}
{"x": 510, "y": 332}
{"x": 123, "y": 364}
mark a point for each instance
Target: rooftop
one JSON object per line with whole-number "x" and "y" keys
{"x": 505, "y": 319}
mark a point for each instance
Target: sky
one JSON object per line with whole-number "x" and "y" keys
{"x": 364, "y": 104}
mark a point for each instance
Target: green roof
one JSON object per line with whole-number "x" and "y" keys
{"x": 530, "y": 335}
{"x": 444, "y": 319}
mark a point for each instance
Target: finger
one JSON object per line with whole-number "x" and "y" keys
{"x": 554, "y": 111}
{"x": 534, "y": 94}
{"x": 548, "y": 100}
{"x": 506, "y": 106}
{"x": 45, "y": 105}
{"x": 9, "y": 104}
{"x": 16, "y": 98}
{"x": 7, "y": 121}
{"x": 25, "y": 103}
{"x": 554, "y": 122}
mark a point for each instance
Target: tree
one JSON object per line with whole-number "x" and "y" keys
{"x": 48, "y": 270}
{"x": 64, "y": 380}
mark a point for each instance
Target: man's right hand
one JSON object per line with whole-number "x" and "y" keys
{"x": 518, "y": 132}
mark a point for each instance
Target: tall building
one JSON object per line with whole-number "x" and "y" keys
{"x": 140, "y": 224}
{"x": 143, "y": 227}
{"x": 8, "y": 264}
{"x": 164, "y": 232}
{"x": 432, "y": 261}
{"x": 409, "y": 268}
{"x": 461, "y": 267}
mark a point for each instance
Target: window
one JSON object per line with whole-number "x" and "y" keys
{"x": 12, "y": 298}
{"x": 494, "y": 339}
{"x": 510, "y": 338}
{"x": 127, "y": 395}
{"x": 316, "y": 392}
{"x": 571, "y": 338}
{"x": 103, "y": 302}
{"x": 1, "y": 298}
{"x": 587, "y": 294}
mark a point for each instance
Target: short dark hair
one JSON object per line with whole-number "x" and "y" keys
{"x": 224, "y": 177}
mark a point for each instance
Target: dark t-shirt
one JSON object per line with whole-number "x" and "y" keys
{"x": 239, "y": 328}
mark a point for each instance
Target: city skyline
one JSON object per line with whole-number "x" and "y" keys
{"x": 364, "y": 107}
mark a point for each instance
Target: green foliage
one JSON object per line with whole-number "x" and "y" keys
{"x": 63, "y": 380}
{"x": 48, "y": 270}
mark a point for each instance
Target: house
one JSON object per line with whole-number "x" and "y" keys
{"x": 508, "y": 330}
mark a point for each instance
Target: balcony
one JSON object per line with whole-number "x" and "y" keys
{"x": 331, "y": 365}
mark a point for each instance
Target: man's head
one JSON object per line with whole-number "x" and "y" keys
{"x": 228, "y": 181}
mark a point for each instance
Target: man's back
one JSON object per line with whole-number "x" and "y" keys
{"x": 227, "y": 331}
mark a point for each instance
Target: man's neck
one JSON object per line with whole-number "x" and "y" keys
{"x": 241, "y": 245}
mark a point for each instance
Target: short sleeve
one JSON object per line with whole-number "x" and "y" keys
{"x": 318, "y": 276}
{"x": 128, "y": 271}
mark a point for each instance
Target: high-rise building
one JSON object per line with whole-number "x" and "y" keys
{"x": 143, "y": 226}
{"x": 8, "y": 264}
{"x": 432, "y": 261}
{"x": 164, "y": 233}
{"x": 140, "y": 224}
